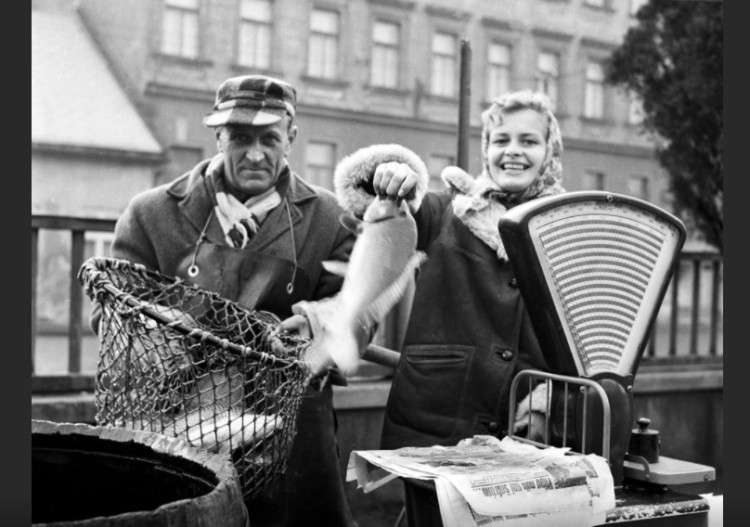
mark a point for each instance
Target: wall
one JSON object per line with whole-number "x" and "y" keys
{"x": 173, "y": 94}
{"x": 686, "y": 408}
{"x": 65, "y": 185}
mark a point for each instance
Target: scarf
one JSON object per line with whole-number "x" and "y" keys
{"x": 239, "y": 221}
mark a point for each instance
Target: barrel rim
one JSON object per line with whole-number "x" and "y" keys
{"x": 226, "y": 491}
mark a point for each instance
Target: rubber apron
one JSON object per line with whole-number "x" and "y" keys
{"x": 254, "y": 280}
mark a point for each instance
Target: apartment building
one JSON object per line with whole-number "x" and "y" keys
{"x": 142, "y": 73}
{"x": 380, "y": 71}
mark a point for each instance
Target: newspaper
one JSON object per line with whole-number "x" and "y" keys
{"x": 484, "y": 481}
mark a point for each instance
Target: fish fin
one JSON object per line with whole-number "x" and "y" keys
{"x": 393, "y": 293}
{"x": 336, "y": 267}
{"x": 351, "y": 223}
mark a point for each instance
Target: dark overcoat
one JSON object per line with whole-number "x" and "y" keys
{"x": 171, "y": 227}
{"x": 468, "y": 335}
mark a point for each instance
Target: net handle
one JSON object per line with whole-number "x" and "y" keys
{"x": 93, "y": 277}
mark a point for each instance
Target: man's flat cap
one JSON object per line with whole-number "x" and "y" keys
{"x": 255, "y": 100}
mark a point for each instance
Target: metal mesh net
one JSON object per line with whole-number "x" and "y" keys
{"x": 183, "y": 361}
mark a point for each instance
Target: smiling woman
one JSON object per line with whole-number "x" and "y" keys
{"x": 517, "y": 129}
{"x": 516, "y": 149}
{"x": 468, "y": 332}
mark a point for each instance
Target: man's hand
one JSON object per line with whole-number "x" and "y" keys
{"x": 296, "y": 325}
{"x": 394, "y": 179}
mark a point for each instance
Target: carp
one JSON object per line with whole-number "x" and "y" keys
{"x": 382, "y": 263}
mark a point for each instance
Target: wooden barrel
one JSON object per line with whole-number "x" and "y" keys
{"x": 89, "y": 476}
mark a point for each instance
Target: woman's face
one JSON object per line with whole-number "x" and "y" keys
{"x": 516, "y": 149}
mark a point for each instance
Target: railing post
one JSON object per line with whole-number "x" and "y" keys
{"x": 76, "y": 302}
{"x": 34, "y": 275}
{"x": 694, "y": 318}
{"x": 675, "y": 310}
{"x": 715, "y": 306}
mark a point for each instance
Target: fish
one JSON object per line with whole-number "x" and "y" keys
{"x": 214, "y": 429}
{"x": 382, "y": 263}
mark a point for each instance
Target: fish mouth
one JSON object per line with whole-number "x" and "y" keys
{"x": 367, "y": 186}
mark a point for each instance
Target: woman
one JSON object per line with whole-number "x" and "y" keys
{"x": 468, "y": 333}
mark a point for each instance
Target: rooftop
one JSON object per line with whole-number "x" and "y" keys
{"x": 75, "y": 98}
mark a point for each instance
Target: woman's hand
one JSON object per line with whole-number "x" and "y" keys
{"x": 396, "y": 180}
{"x": 535, "y": 432}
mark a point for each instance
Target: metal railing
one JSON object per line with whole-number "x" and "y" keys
{"x": 688, "y": 327}
{"x": 701, "y": 317}
{"x": 73, "y": 379}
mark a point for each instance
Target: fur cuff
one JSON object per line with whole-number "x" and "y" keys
{"x": 536, "y": 401}
{"x": 457, "y": 178}
{"x": 352, "y": 178}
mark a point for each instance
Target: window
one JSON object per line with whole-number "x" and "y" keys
{"x": 638, "y": 187}
{"x": 593, "y": 180}
{"x": 498, "y": 69}
{"x": 180, "y": 28}
{"x": 444, "y": 62}
{"x": 435, "y": 165}
{"x": 324, "y": 44}
{"x": 320, "y": 162}
{"x": 385, "y": 50}
{"x": 548, "y": 76}
{"x": 254, "y": 45}
{"x": 594, "y": 96}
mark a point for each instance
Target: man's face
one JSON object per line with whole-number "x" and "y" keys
{"x": 254, "y": 156}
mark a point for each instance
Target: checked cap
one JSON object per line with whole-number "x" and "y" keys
{"x": 255, "y": 100}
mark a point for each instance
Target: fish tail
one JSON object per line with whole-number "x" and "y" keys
{"x": 344, "y": 345}
{"x": 340, "y": 340}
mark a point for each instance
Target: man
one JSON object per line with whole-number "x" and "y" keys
{"x": 244, "y": 225}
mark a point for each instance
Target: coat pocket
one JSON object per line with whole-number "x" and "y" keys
{"x": 427, "y": 394}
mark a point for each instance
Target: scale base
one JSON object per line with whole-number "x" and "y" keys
{"x": 667, "y": 471}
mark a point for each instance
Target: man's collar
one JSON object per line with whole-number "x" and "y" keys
{"x": 289, "y": 184}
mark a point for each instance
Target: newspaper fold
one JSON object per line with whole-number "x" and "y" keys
{"x": 485, "y": 481}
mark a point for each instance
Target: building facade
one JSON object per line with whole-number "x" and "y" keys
{"x": 366, "y": 71}
{"x": 383, "y": 71}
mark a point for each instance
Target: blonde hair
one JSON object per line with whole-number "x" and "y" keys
{"x": 549, "y": 180}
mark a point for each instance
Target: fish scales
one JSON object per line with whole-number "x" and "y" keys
{"x": 380, "y": 267}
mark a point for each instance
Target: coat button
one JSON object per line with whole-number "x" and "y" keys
{"x": 513, "y": 283}
{"x": 493, "y": 426}
{"x": 507, "y": 355}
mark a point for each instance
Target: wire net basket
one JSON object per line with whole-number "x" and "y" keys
{"x": 182, "y": 361}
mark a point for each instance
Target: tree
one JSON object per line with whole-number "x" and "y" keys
{"x": 672, "y": 60}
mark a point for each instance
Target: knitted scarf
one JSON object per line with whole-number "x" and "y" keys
{"x": 239, "y": 221}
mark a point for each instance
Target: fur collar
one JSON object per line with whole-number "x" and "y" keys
{"x": 475, "y": 208}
